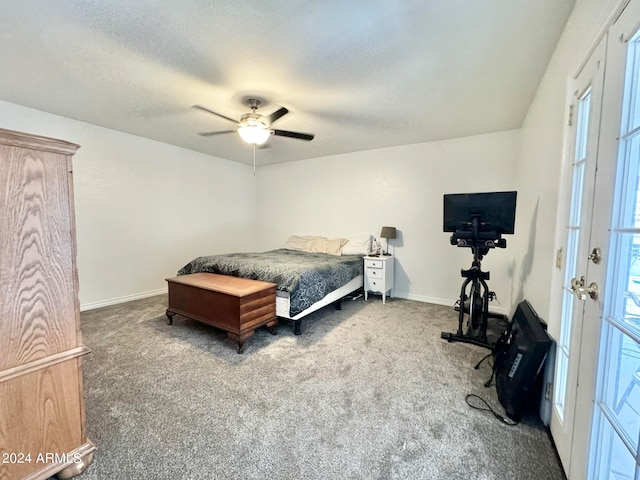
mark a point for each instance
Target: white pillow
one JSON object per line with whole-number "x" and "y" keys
{"x": 325, "y": 245}
{"x": 315, "y": 244}
{"x": 298, "y": 242}
{"x": 357, "y": 244}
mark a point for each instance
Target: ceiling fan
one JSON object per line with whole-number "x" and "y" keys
{"x": 254, "y": 128}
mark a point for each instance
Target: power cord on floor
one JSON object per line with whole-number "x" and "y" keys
{"x": 482, "y": 360}
{"x": 487, "y": 408}
{"x": 493, "y": 370}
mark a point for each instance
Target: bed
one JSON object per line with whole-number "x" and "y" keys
{"x": 306, "y": 280}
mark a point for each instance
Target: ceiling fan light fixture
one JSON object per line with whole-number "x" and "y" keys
{"x": 254, "y": 134}
{"x": 255, "y": 129}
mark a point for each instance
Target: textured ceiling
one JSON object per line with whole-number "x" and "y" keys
{"x": 359, "y": 75}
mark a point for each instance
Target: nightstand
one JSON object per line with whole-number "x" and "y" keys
{"x": 378, "y": 276}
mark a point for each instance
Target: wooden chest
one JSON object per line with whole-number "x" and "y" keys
{"x": 235, "y": 305}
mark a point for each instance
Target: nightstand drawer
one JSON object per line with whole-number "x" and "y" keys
{"x": 375, "y": 285}
{"x": 375, "y": 272}
{"x": 373, "y": 264}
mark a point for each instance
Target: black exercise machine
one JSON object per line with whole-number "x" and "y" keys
{"x": 478, "y": 221}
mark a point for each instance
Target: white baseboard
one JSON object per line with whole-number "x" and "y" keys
{"x": 127, "y": 298}
{"x": 153, "y": 293}
{"x": 424, "y": 298}
{"x": 443, "y": 301}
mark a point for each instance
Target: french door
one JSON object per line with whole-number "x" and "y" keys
{"x": 596, "y": 407}
{"x": 615, "y": 450}
{"x": 582, "y": 267}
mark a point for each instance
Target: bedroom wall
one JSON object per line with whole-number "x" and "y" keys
{"x": 540, "y": 164}
{"x": 402, "y": 187}
{"x": 143, "y": 208}
{"x": 135, "y": 198}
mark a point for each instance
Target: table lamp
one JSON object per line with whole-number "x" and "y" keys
{"x": 388, "y": 232}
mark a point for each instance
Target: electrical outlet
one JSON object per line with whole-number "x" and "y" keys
{"x": 548, "y": 392}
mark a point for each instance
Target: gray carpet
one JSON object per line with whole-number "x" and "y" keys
{"x": 368, "y": 392}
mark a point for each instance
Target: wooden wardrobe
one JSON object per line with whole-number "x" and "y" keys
{"x": 42, "y": 424}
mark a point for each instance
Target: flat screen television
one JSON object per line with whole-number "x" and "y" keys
{"x": 520, "y": 359}
{"x": 496, "y": 212}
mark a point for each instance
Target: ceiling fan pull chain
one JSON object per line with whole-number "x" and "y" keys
{"x": 254, "y": 159}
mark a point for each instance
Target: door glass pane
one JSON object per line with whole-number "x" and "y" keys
{"x": 628, "y": 309}
{"x": 584, "y": 109}
{"x": 630, "y": 213}
{"x": 613, "y": 459}
{"x": 633, "y": 85}
{"x": 621, "y": 396}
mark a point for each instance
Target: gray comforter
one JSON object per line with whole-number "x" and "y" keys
{"x": 307, "y": 277}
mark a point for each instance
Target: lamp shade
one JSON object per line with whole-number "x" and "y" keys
{"x": 388, "y": 232}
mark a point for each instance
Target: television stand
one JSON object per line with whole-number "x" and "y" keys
{"x": 475, "y": 304}
{"x": 477, "y": 221}
{"x": 453, "y": 337}
{"x": 490, "y": 338}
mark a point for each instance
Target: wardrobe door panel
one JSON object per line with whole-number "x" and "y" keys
{"x": 37, "y": 262}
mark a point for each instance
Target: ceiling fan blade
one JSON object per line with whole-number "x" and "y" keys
{"x": 277, "y": 114}
{"x": 210, "y": 134}
{"x": 298, "y": 135}
{"x": 214, "y": 113}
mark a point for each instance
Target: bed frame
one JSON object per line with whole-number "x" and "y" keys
{"x": 282, "y": 302}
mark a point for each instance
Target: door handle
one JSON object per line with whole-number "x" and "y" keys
{"x": 596, "y": 255}
{"x": 581, "y": 292}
